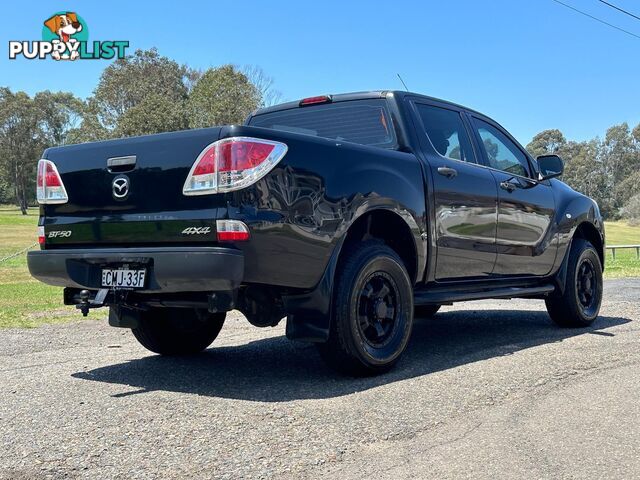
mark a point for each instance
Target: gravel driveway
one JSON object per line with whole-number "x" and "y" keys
{"x": 486, "y": 389}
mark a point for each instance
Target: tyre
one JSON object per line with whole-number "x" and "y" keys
{"x": 580, "y": 303}
{"x": 425, "y": 311}
{"x": 372, "y": 311}
{"x": 177, "y": 331}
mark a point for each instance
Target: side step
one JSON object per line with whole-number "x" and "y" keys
{"x": 442, "y": 295}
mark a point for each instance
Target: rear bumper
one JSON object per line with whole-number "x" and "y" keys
{"x": 169, "y": 269}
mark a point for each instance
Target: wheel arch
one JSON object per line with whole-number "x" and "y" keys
{"x": 584, "y": 230}
{"x": 394, "y": 230}
{"x": 587, "y": 231}
{"x": 308, "y": 313}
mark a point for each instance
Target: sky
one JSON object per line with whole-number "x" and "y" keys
{"x": 530, "y": 65}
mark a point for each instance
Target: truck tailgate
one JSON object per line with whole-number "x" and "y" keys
{"x": 149, "y": 208}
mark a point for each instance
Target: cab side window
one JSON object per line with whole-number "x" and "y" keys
{"x": 502, "y": 153}
{"x": 446, "y": 132}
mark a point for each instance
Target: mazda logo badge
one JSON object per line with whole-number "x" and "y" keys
{"x": 120, "y": 187}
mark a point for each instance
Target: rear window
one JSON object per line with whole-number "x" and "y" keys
{"x": 366, "y": 122}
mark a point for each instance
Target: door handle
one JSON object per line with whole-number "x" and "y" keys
{"x": 447, "y": 172}
{"x": 508, "y": 186}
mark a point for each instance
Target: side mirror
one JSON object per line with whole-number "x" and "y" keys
{"x": 550, "y": 166}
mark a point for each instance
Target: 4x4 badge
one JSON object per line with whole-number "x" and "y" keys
{"x": 196, "y": 230}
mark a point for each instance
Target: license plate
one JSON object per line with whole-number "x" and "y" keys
{"x": 123, "y": 278}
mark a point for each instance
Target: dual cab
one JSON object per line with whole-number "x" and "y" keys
{"x": 346, "y": 214}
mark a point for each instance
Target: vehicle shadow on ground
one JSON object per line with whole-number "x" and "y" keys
{"x": 277, "y": 370}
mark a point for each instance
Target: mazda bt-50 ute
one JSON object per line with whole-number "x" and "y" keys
{"x": 345, "y": 214}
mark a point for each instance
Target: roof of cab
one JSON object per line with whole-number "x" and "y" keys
{"x": 343, "y": 97}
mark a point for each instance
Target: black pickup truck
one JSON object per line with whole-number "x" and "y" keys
{"x": 343, "y": 213}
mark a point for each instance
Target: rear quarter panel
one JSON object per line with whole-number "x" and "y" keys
{"x": 299, "y": 212}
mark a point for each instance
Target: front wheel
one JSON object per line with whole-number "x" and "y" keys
{"x": 580, "y": 303}
{"x": 372, "y": 311}
{"x": 177, "y": 331}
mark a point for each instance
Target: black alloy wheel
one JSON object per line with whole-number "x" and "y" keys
{"x": 587, "y": 287}
{"x": 578, "y": 305}
{"x": 377, "y": 309}
{"x": 372, "y": 311}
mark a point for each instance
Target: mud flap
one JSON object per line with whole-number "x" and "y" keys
{"x": 561, "y": 276}
{"x": 309, "y": 314}
{"x": 123, "y": 317}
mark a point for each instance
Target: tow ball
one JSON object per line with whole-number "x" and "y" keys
{"x": 85, "y": 302}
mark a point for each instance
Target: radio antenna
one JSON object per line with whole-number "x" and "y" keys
{"x": 405, "y": 85}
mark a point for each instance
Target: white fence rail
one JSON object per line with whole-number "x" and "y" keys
{"x": 613, "y": 249}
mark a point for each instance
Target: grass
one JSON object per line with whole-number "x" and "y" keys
{"x": 626, "y": 263}
{"x": 25, "y": 302}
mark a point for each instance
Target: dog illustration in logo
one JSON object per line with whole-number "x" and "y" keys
{"x": 65, "y": 25}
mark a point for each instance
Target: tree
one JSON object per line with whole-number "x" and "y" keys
{"x": 154, "y": 114}
{"x": 621, "y": 159}
{"x": 631, "y": 210}
{"x": 547, "y": 142}
{"x": 18, "y": 144}
{"x": 221, "y": 96}
{"x": 90, "y": 128}
{"x": 585, "y": 171}
{"x": 636, "y": 136}
{"x": 6, "y": 195}
{"x": 27, "y": 126}
{"x": 130, "y": 81}
{"x": 627, "y": 188}
{"x": 59, "y": 112}
{"x": 264, "y": 84}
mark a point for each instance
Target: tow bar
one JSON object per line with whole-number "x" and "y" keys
{"x": 85, "y": 302}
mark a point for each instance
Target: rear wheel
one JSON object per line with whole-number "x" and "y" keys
{"x": 177, "y": 331}
{"x": 372, "y": 311}
{"x": 580, "y": 303}
{"x": 425, "y": 311}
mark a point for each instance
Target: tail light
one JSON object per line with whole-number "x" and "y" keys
{"x": 41, "y": 237}
{"x": 232, "y": 231}
{"x": 231, "y": 164}
{"x": 50, "y": 188}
